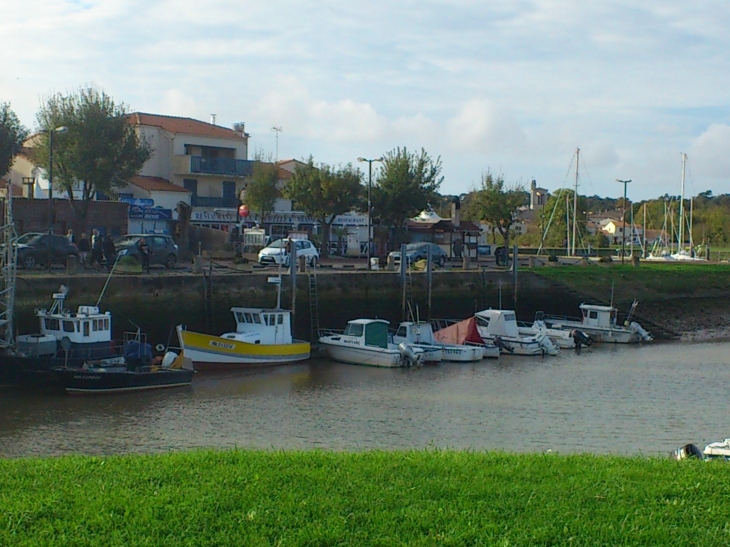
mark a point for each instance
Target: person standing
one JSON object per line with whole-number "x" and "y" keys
{"x": 83, "y": 249}
{"x": 110, "y": 252}
{"x": 97, "y": 243}
{"x": 70, "y": 236}
{"x": 144, "y": 251}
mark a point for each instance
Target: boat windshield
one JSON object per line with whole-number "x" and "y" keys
{"x": 353, "y": 329}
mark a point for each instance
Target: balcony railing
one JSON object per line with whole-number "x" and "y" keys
{"x": 220, "y": 166}
{"x": 230, "y": 202}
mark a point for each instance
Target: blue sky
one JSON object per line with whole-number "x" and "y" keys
{"x": 511, "y": 86}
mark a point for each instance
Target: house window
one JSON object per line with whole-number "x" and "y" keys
{"x": 191, "y": 185}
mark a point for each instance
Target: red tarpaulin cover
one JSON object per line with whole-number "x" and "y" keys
{"x": 459, "y": 333}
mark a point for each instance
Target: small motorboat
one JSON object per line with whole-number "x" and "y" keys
{"x": 135, "y": 370}
{"x": 499, "y": 327}
{"x": 420, "y": 335}
{"x": 464, "y": 336}
{"x": 365, "y": 342}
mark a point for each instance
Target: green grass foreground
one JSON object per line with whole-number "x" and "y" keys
{"x": 370, "y": 498}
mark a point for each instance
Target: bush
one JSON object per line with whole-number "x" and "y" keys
{"x": 128, "y": 260}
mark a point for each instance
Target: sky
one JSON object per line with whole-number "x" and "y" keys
{"x": 511, "y": 87}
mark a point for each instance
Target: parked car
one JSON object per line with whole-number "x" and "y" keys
{"x": 275, "y": 253}
{"x": 163, "y": 247}
{"x": 33, "y": 249}
{"x": 419, "y": 251}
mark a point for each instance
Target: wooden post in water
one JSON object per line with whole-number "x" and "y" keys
{"x": 403, "y": 269}
{"x": 429, "y": 279}
{"x": 514, "y": 276}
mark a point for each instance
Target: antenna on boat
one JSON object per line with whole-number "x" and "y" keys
{"x": 108, "y": 277}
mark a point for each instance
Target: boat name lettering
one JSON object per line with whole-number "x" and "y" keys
{"x": 87, "y": 377}
{"x": 221, "y": 345}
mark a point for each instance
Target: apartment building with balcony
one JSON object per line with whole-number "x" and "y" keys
{"x": 209, "y": 161}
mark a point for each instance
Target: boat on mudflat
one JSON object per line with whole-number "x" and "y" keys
{"x": 263, "y": 337}
{"x": 366, "y": 342}
{"x": 134, "y": 370}
{"x": 601, "y": 324}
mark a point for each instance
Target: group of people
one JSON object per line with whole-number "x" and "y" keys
{"x": 98, "y": 253}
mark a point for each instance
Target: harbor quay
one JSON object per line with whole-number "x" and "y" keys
{"x": 330, "y": 297}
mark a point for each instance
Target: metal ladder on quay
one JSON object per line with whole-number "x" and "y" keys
{"x": 313, "y": 306}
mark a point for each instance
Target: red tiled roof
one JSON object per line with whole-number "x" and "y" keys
{"x": 187, "y": 126}
{"x": 156, "y": 184}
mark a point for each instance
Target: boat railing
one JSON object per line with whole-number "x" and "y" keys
{"x": 548, "y": 318}
{"x": 329, "y": 332}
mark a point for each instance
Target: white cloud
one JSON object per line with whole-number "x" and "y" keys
{"x": 710, "y": 152}
{"x": 484, "y": 128}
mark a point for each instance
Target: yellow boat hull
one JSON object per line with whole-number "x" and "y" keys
{"x": 209, "y": 352}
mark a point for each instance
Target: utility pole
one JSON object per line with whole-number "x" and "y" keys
{"x": 623, "y": 229}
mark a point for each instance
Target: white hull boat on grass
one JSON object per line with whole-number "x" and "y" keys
{"x": 499, "y": 327}
{"x": 365, "y": 342}
{"x": 421, "y": 335}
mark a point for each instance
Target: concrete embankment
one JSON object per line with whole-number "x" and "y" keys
{"x": 157, "y": 303}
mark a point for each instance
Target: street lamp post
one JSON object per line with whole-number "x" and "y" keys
{"x": 370, "y": 184}
{"x": 61, "y": 129}
{"x": 623, "y": 229}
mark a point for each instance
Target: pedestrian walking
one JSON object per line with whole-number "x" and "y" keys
{"x": 84, "y": 249}
{"x": 97, "y": 248}
{"x": 110, "y": 252}
{"x": 145, "y": 252}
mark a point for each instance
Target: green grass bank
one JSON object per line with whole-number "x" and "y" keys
{"x": 365, "y": 498}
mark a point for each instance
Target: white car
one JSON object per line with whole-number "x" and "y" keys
{"x": 275, "y": 252}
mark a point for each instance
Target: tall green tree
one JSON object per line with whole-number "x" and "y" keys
{"x": 12, "y": 135}
{"x": 324, "y": 192}
{"x": 497, "y": 204}
{"x": 262, "y": 188}
{"x": 406, "y": 183}
{"x": 100, "y": 152}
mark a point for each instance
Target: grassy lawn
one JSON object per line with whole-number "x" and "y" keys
{"x": 371, "y": 498}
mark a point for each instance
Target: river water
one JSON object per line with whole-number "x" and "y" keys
{"x": 611, "y": 399}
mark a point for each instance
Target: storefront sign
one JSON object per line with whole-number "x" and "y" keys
{"x": 138, "y": 202}
{"x": 215, "y": 216}
{"x": 149, "y": 213}
{"x": 351, "y": 220}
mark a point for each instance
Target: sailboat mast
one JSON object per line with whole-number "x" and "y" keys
{"x": 643, "y": 235}
{"x": 681, "y": 207}
{"x": 575, "y": 198}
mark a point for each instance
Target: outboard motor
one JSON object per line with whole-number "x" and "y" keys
{"x": 502, "y": 345}
{"x": 688, "y": 451}
{"x": 639, "y": 331}
{"x": 580, "y": 338}
{"x": 548, "y": 346}
{"x": 408, "y": 356}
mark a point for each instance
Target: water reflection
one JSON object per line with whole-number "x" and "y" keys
{"x": 623, "y": 400}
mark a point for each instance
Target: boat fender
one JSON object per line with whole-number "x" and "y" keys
{"x": 160, "y": 348}
{"x": 168, "y": 359}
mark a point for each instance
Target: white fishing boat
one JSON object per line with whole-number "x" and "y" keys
{"x": 464, "y": 334}
{"x": 718, "y": 450}
{"x": 366, "y": 342}
{"x": 600, "y": 323}
{"x": 563, "y": 338}
{"x": 262, "y": 337}
{"x": 420, "y": 335}
{"x": 499, "y": 327}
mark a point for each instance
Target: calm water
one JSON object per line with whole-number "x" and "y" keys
{"x": 621, "y": 400}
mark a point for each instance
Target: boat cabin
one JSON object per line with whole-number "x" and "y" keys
{"x": 416, "y": 332}
{"x": 269, "y": 326}
{"x": 497, "y": 323}
{"x": 371, "y": 332}
{"x": 598, "y": 316}
{"x": 86, "y": 326}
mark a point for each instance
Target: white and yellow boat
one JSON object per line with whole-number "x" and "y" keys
{"x": 262, "y": 338}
